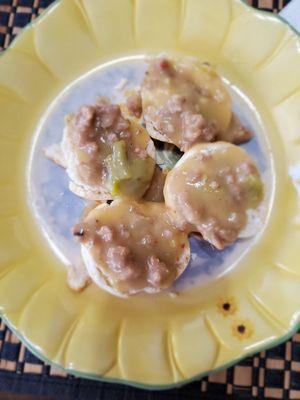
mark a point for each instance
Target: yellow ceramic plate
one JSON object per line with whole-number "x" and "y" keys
{"x": 154, "y": 341}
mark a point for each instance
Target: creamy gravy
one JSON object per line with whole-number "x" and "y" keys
{"x": 91, "y": 138}
{"x": 210, "y": 190}
{"x": 187, "y": 103}
{"x": 134, "y": 245}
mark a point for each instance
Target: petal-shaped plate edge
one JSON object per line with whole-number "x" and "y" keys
{"x": 256, "y": 348}
{"x": 96, "y": 377}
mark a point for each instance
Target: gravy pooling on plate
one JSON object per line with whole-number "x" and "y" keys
{"x": 210, "y": 190}
{"x": 130, "y": 247}
{"x": 185, "y": 103}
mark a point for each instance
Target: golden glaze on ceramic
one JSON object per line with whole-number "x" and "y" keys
{"x": 178, "y": 338}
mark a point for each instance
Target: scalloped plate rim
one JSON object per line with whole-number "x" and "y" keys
{"x": 264, "y": 12}
{"x": 96, "y": 377}
{"x": 101, "y": 378}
